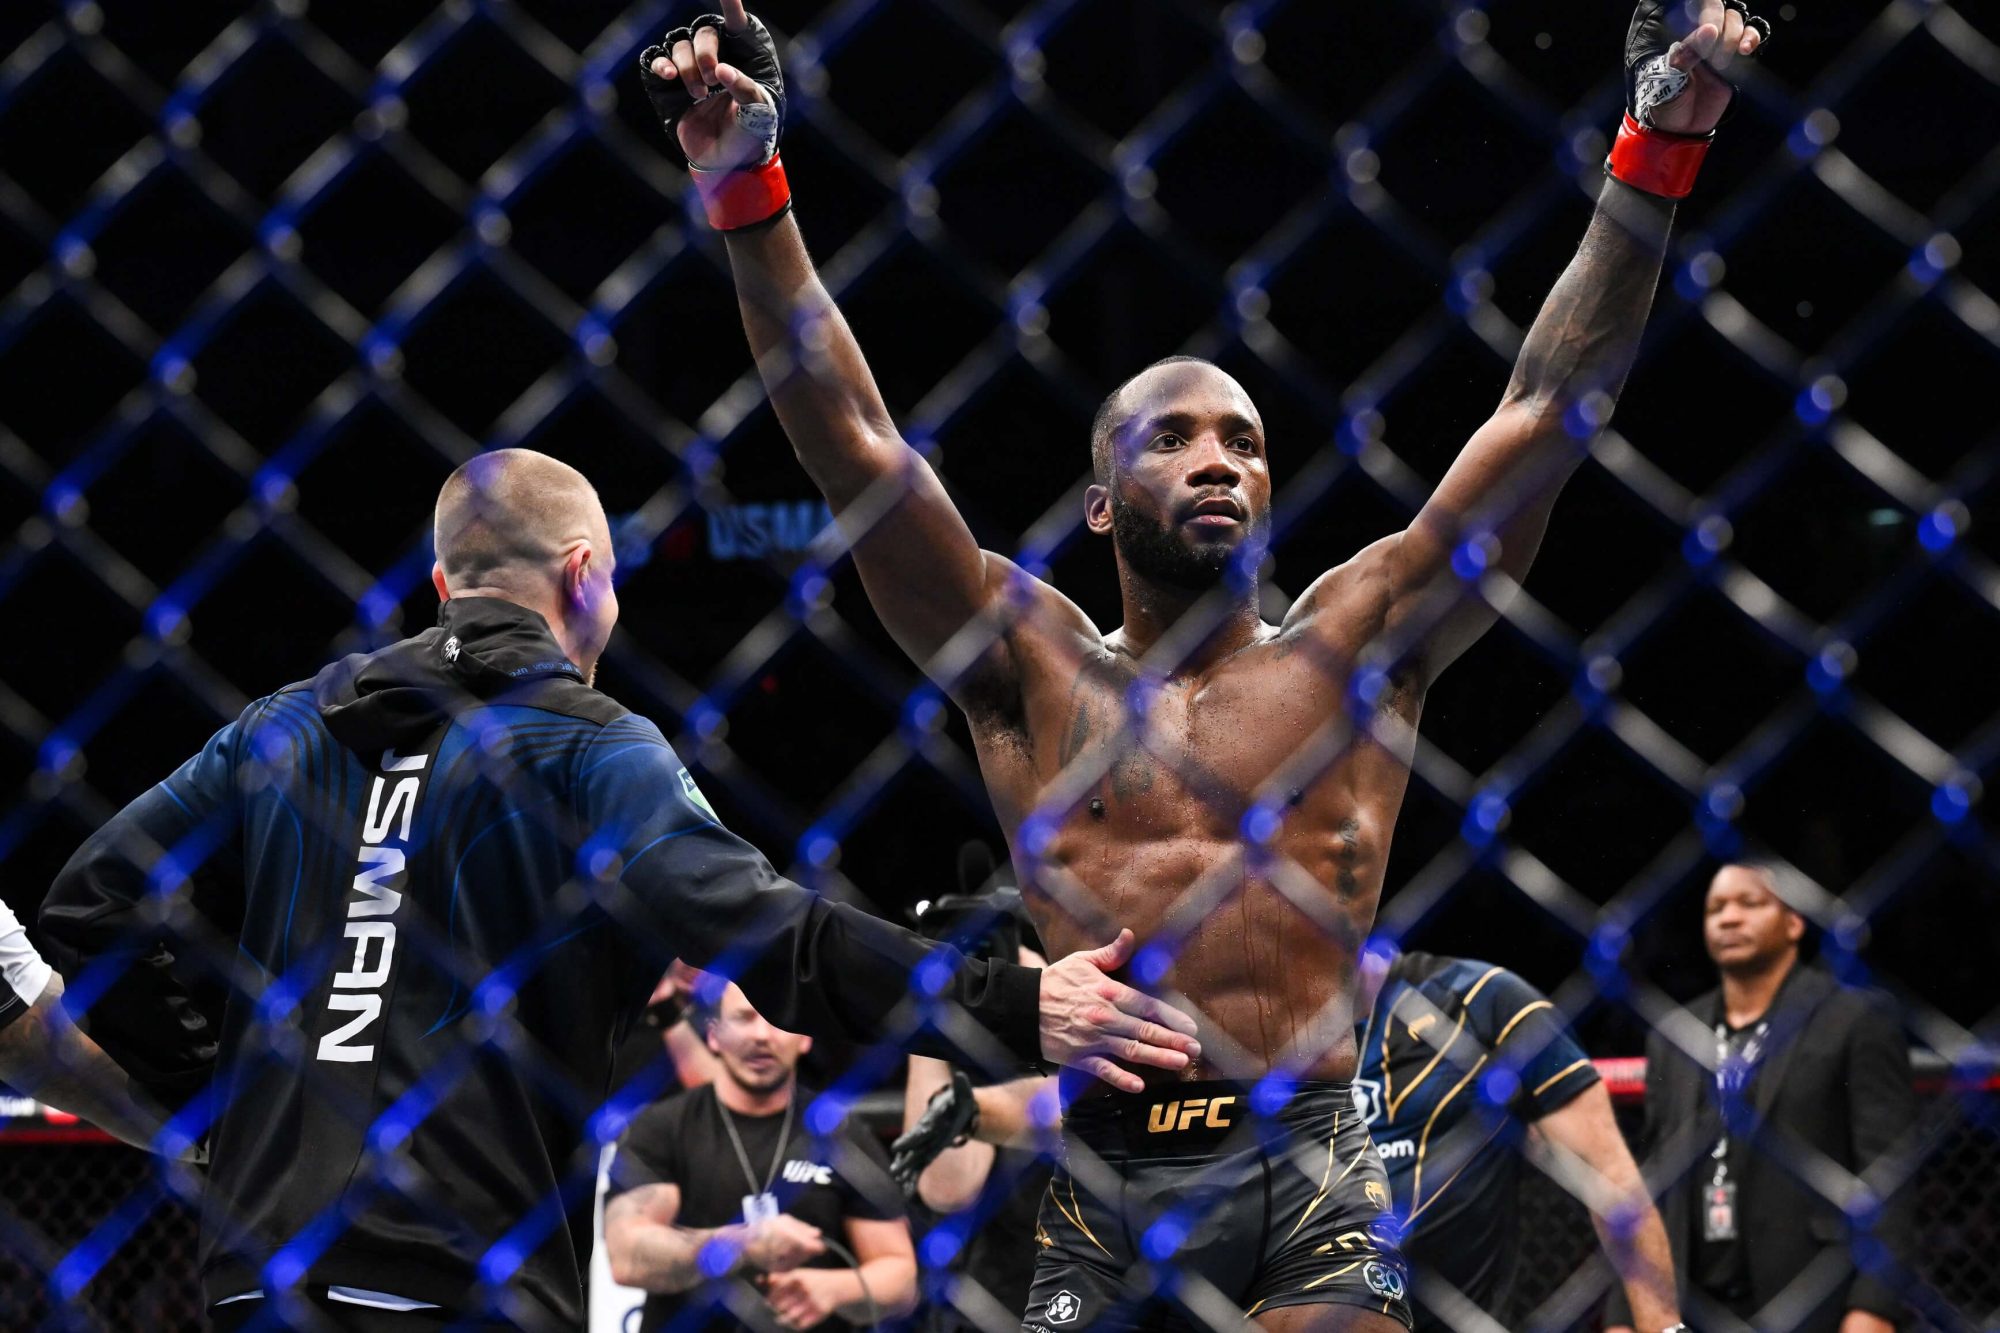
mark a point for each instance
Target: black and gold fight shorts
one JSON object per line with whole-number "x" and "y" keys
{"x": 1180, "y": 1208}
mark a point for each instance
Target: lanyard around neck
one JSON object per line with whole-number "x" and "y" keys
{"x": 1734, "y": 1072}
{"x": 743, "y": 1156}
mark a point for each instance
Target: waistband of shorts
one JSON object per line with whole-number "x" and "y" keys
{"x": 1178, "y": 1118}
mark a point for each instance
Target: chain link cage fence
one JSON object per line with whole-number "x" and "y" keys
{"x": 67, "y": 1192}
{"x": 273, "y": 271}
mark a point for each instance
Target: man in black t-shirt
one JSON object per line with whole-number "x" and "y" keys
{"x": 723, "y": 1200}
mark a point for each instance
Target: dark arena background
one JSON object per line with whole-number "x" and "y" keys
{"x": 271, "y": 271}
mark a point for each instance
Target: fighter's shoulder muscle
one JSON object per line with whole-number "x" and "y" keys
{"x": 1356, "y": 594}
{"x": 1037, "y": 629}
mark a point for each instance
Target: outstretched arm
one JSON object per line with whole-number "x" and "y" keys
{"x": 923, "y": 569}
{"x": 43, "y": 1055}
{"x": 1496, "y": 497}
{"x": 691, "y": 889}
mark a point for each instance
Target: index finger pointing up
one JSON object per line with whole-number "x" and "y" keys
{"x": 734, "y": 19}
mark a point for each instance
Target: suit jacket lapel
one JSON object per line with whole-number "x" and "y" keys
{"x": 1697, "y": 1099}
{"x": 1803, "y": 992}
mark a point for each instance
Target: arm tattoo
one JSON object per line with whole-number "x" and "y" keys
{"x": 1588, "y": 331}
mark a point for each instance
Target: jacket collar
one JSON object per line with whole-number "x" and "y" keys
{"x": 491, "y": 642}
{"x": 1799, "y": 995}
{"x": 482, "y": 651}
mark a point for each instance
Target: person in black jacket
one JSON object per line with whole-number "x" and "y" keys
{"x": 1796, "y": 1087}
{"x": 389, "y": 922}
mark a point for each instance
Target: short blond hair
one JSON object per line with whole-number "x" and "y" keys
{"x": 508, "y": 515}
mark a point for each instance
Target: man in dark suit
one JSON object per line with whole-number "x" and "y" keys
{"x": 1784, "y": 1103}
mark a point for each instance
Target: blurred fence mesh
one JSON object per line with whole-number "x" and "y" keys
{"x": 66, "y": 1192}
{"x": 273, "y": 270}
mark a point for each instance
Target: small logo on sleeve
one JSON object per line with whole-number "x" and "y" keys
{"x": 693, "y": 793}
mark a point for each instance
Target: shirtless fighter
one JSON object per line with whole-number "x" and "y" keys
{"x": 1225, "y": 785}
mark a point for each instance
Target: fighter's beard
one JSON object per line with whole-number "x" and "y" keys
{"x": 1155, "y": 552}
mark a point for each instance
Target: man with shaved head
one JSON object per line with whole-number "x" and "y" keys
{"x": 1227, "y": 784}
{"x": 378, "y": 939}
{"x": 529, "y": 529}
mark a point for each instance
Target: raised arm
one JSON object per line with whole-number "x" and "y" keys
{"x": 923, "y": 569}
{"x": 1495, "y": 499}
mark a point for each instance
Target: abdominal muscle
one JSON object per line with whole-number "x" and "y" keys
{"x": 1269, "y": 983}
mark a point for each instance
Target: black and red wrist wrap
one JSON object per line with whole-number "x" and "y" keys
{"x": 1656, "y": 161}
{"x": 744, "y": 197}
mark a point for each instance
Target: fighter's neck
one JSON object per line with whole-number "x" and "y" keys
{"x": 1184, "y": 631}
{"x": 1748, "y": 993}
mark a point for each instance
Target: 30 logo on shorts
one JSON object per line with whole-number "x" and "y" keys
{"x": 1064, "y": 1308}
{"x": 1383, "y": 1280}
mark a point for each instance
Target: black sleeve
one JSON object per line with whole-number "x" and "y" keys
{"x": 689, "y": 888}
{"x": 650, "y": 1150}
{"x": 1522, "y": 1028}
{"x": 1881, "y": 1107}
{"x": 145, "y": 895}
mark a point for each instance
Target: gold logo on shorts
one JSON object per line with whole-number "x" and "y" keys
{"x": 1375, "y": 1194}
{"x": 1166, "y": 1117}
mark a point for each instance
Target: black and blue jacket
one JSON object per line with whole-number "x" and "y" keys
{"x": 379, "y": 938}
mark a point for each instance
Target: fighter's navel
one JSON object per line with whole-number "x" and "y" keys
{"x": 1097, "y": 807}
